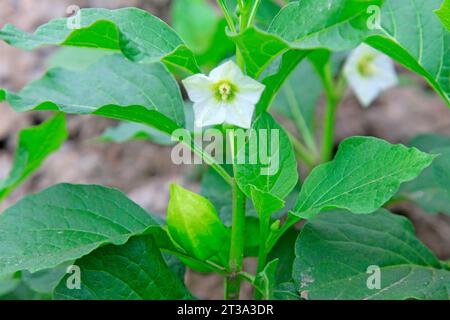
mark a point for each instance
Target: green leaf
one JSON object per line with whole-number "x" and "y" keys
{"x": 444, "y": 13}
{"x": 194, "y": 224}
{"x": 431, "y": 189}
{"x": 331, "y": 24}
{"x": 365, "y": 174}
{"x": 136, "y": 33}
{"x": 66, "y": 222}
{"x": 128, "y": 131}
{"x": 413, "y": 35}
{"x": 285, "y": 253}
{"x": 267, "y": 162}
{"x": 114, "y": 87}
{"x": 286, "y": 291}
{"x": 76, "y": 58}
{"x": 265, "y": 280}
{"x": 133, "y": 271}
{"x": 335, "y": 252}
{"x": 34, "y": 145}
{"x": 45, "y": 281}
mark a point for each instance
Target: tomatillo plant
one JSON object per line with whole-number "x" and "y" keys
{"x": 256, "y": 59}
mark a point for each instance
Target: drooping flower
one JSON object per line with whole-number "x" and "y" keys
{"x": 369, "y": 73}
{"x": 225, "y": 96}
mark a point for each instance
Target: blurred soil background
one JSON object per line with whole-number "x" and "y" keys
{"x": 144, "y": 170}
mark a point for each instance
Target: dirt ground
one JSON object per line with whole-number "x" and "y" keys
{"x": 143, "y": 171}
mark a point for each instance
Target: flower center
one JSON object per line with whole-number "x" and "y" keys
{"x": 365, "y": 65}
{"x": 224, "y": 90}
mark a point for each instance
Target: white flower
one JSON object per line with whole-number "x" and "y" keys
{"x": 369, "y": 72}
{"x": 225, "y": 96}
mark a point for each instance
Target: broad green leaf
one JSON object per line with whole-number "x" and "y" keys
{"x": 45, "y": 281}
{"x": 8, "y": 283}
{"x": 194, "y": 224}
{"x": 364, "y": 175}
{"x": 259, "y": 49}
{"x": 76, "y": 58}
{"x": 444, "y": 13}
{"x": 285, "y": 253}
{"x": 413, "y": 35}
{"x": 265, "y": 203}
{"x": 66, "y": 222}
{"x": 114, "y": 87}
{"x": 331, "y": 24}
{"x": 136, "y": 33}
{"x": 133, "y": 271}
{"x": 127, "y": 131}
{"x": 431, "y": 189}
{"x": 265, "y": 280}
{"x": 267, "y": 162}
{"x": 34, "y": 145}
{"x": 336, "y": 252}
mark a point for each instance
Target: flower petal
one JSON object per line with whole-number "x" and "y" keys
{"x": 250, "y": 89}
{"x": 198, "y": 87}
{"x": 368, "y": 88}
{"x": 227, "y": 71}
{"x": 240, "y": 113}
{"x": 209, "y": 112}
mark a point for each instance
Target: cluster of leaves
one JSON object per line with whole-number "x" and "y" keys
{"x": 131, "y": 63}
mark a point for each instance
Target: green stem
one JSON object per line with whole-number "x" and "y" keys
{"x": 227, "y": 15}
{"x": 233, "y": 281}
{"x": 330, "y": 113}
{"x": 253, "y": 12}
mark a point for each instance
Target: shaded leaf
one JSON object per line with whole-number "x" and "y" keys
{"x": 114, "y": 88}
{"x": 133, "y": 271}
{"x": 66, "y": 222}
{"x": 136, "y": 33}
{"x": 335, "y": 252}
{"x": 34, "y": 145}
{"x": 413, "y": 35}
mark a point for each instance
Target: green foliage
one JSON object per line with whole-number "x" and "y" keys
{"x": 431, "y": 189}
{"x": 143, "y": 93}
{"x": 66, "y": 222}
{"x": 118, "y": 63}
{"x": 267, "y": 181}
{"x": 34, "y": 145}
{"x": 365, "y": 174}
{"x": 335, "y": 25}
{"x": 413, "y": 35}
{"x": 133, "y": 271}
{"x": 194, "y": 224}
{"x": 444, "y": 13}
{"x": 334, "y": 252}
{"x": 134, "y": 32}
{"x": 127, "y": 131}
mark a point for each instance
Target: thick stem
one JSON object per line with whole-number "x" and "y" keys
{"x": 233, "y": 281}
